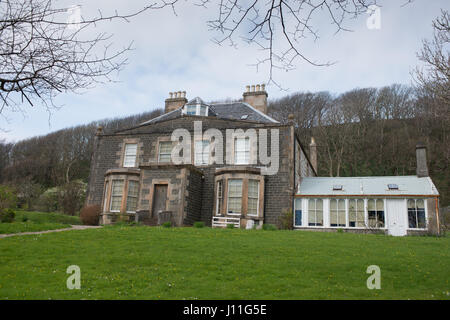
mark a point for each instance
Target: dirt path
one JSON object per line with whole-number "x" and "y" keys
{"x": 73, "y": 227}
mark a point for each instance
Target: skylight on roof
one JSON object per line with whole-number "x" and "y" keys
{"x": 337, "y": 187}
{"x": 245, "y": 116}
{"x": 393, "y": 186}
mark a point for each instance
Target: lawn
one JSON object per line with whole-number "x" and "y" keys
{"x": 26, "y": 221}
{"x": 123, "y": 262}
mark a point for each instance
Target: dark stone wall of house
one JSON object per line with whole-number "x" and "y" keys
{"x": 194, "y": 195}
{"x": 279, "y": 188}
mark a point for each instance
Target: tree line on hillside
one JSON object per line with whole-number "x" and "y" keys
{"x": 50, "y": 172}
{"x": 370, "y": 131}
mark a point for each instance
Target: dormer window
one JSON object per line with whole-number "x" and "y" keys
{"x": 196, "y": 107}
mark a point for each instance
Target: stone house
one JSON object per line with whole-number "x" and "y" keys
{"x": 231, "y": 163}
{"x": 224, "y": 177}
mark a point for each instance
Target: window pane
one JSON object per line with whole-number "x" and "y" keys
{"x": 234, "y": 196}
{"x": 129, "y": 159}
{"x": 319, "y": 204}
{"x": 420, "y": 204}
{"x": 421, "y": 222}
{"x": 333, "y": 204}
{"x": 412, "y": 218}
{"x": 132, "y": 198}
{"x": 165, "y": 150}
{"x": 202, "y": 152}
{"x": 311, "y": 204}
{"x": 116, "y": 195}
{"x": 341, "y": 204}
{"x": 371, "y": 204}
{"x": 380, "y": 205}
{"x": 242, "y": 151}
{"x": 411, "y": 203}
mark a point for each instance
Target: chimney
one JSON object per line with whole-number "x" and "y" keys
{"x": 313, "y": 154}
{"x": 421, "y": 158}
{"x": 176, "y": 100}
{"x": 256, "y": 96}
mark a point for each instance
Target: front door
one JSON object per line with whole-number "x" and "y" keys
{"x": 396, "y": 214}
{"x": 159, "y": 199}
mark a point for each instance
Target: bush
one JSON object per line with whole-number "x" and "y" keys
{"x": 24, "y": 218}
{"x": 167, "y": 224}
{"x": 230, "y": 226}
{"x": 8, "y": 198}
{"x": 286, "y": 220}
{"x": 269, "y": 227}
{"x": 199, "y": 224}
{"x": 7, "y": 216}
{"x": 90, "y": 215}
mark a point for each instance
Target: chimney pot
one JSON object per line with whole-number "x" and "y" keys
{"x": 263, "y": 87}
{"x": 170, "y": 95}
{"x": 253, "y": 88}
{"x": 257, "y": 87}
{"x": 247, "y": 88}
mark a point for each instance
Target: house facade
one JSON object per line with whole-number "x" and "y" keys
{"x": 240, "y": 166}
{"x": 231, "y": 163}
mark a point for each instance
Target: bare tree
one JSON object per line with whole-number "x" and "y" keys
{"x": 43, "y": 53}
{"x": 436, "y": 56}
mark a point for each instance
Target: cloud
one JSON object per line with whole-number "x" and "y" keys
{"x": 176, "y": 53}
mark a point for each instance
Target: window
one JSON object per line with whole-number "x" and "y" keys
{"x": 416, "y": 214}
{"x": 234, "y": 196}
{"x": 165, "y": 150}
{"x": 132, "y": 197}
{"x": 242, "y": 151}
{"x": 116, "y": 195}
{"x": 375, "y": 210}
{"x": 203, "y": 110}
{"x": 315, "y": 212}
{"x": 105, "y": 197}
{"x": 337, "y": 213}
{"x": 356, "y": 213}
{"x": 219, "y": 198}
{"x": 191, "y": 110}
{"x": 129, "y": 159}
{"x": 253, "y": 197}
{"x": 392, "y": 186}
{"x": 201, "y": 152}
{"x": 298, "y": 212}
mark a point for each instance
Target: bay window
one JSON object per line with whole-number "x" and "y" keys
{"x": 116, "y": 195}
{"x": 253, "y": 197}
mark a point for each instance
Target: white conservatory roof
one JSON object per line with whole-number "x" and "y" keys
{"x": 388, "y": 185}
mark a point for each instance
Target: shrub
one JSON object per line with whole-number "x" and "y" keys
{"x": 286, "y": 220}
{"x": 199, "y": 224}
{"x": 90, "y": 215}
{"x": 8, "y": 198}
{"x": 7, "y": 216}
{"x": 269, "y": 227}
{"x": 340, "y": 230}
{"x": 167, "y": 224}
{"x": 24, "y": 218}
{"x": 230, "y": 226}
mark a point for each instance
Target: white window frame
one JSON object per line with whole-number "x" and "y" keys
{"x": 228, "y": 196}
{"x": 202, "y": 153}
{"x": 384, "y": 213}
{"x": 365, "y": 221}
{"x": 128, "y": 195}
{"x": 301, "y": 210}
{"x": 424, "y": 208}
{"x": 219, "y": 197}
{"x": 127, "y": 163}
{"x": 245, "y": 151}
{"x": 337, "y": 212}
{"x": 257, "y": 198}
{"x": 197, "y": 110}
{"x": 112, "y": 194}
{"x": 315, "y": 212}
{"x": 159, "y": 152}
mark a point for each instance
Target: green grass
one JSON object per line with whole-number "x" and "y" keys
{"x": 124, "y": 262}
{"x": 38, "y": 221}
{"x": 43, "y": 217}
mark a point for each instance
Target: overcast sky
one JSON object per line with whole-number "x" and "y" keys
{"x": 175, "y": 53}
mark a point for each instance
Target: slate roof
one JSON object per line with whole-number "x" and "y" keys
{"x": 407, "y": 185}
{"x": 230, "y": 111}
